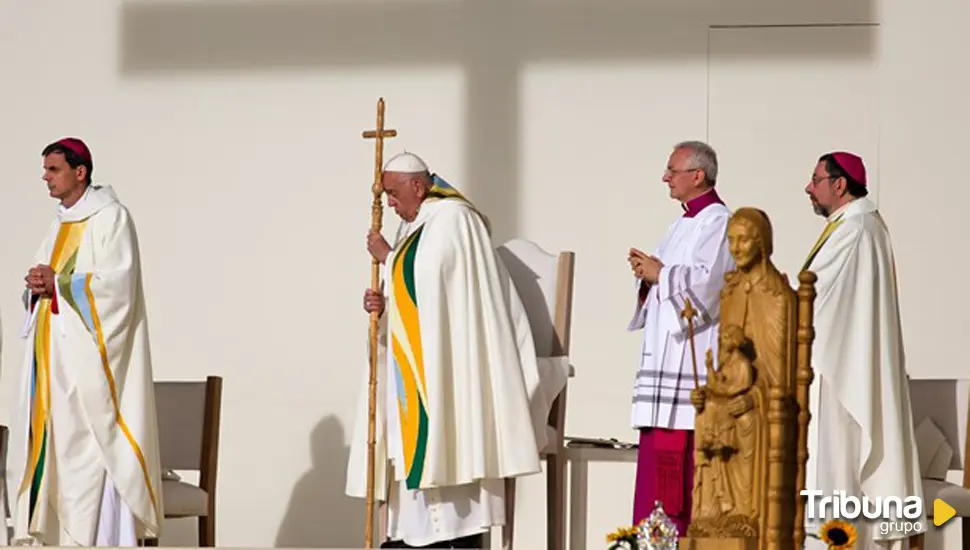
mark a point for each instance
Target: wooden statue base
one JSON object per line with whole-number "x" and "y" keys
{"x": 738, "y": 543}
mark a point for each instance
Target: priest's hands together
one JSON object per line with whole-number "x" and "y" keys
{"x": 40, "y": 280}
{"x": 373, "y": 302}
{"x": 645, "y": 266}
{"x": 377, "y": 246}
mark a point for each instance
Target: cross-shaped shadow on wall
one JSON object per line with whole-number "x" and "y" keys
{"x": 494, "y": 40}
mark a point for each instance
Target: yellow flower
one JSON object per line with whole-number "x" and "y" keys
{"x": 839, "y": 535}
{"x": 621, "y": 533}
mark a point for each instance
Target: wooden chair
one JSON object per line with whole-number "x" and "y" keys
{"x": 544, "y": 282}
{"x": 188, "y": 427}
{"x": 940, "y": 415}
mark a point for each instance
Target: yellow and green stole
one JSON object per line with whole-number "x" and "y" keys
{"x": 826, "y": 233}
{"x": 62, "y": 260}
{"x": 406, "y": 353}
{"x": 441, "y": 189}
{"x": 412, "y": 388}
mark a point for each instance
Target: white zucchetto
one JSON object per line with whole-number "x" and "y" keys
{"x": 406, "y": 163}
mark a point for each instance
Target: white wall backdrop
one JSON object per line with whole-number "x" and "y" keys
{"x": 232, "y": 132}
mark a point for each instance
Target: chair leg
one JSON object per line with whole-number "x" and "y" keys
{"x": 556, "y": 501}
{"x": 508, "y": 530}
{"x": 207, "y": 530}
{"x": 578, "y": 493}
{"x": 917, "y": 542}
{"x": 965, "y": 527}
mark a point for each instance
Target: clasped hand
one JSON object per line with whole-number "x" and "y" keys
{"x": 645, "y": 266}
{"x": 40, "y": 280}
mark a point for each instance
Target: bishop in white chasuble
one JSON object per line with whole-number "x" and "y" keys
{"x": 460, "y": 408}
{"x": 861, "y": 435}
{"x": 83, "y": 465}
{"x": 689, "y": 264}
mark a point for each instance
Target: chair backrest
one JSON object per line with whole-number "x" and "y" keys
{"x": 946, "y": 403}
{"x": 188, "y": 422}
{"x": 544, "y": 282}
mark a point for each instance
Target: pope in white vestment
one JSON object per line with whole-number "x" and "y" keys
{"x": 861, "y": 436}
{"x": 459, "y": 400}
{"x": 83, "y": 465}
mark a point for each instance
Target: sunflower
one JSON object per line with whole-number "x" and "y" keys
{"x": 839, "y": 535}
{"x": 624, "y": 538}
{"x": 621, "y": 534}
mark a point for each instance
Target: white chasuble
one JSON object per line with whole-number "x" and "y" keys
{"x": 460, "y": 405}
{"x": 696, "y": 257}
{"x": 84, "y": 445}
{"x": 861, "y": 435}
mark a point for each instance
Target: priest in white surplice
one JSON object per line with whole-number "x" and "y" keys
{"x": 861, "y": 436}
{"x": 689, "y": 263}
{"x": 460, "y": 402}
{"x": 83, "y": 465}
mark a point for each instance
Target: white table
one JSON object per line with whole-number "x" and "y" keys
{"x": 579, "y": 456}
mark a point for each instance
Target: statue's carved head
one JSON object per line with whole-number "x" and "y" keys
{"x": 731, "y": 338}
{"x": 750, "y": 237}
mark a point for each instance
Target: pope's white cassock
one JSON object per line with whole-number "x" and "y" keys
{"x": 861, "y": 437}
{"x": 461, "y": 384}
{"x": 83, "y": 466}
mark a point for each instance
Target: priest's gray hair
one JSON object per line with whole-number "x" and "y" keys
{"x": 703, "y": 157}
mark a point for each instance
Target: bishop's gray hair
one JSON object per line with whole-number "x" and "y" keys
{"x": 702, "y": 156}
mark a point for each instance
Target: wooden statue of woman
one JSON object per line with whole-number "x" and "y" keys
{"x": 758, "y": 299}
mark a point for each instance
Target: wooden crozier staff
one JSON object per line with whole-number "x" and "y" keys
{"x": 377, "y": 216}
{"x": 689, "y": 313}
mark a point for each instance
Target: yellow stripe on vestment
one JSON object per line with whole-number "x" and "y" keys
{"x": 407, "y": 312}
{"x": 114, "y": 396}
{"x": 826, "y": 233}
{"x": 40, "y": 407}
{"x": 409, "y": 415}
{"x": 65, "y": 246}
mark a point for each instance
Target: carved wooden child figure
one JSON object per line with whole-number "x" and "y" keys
{"x": 734, "y": 377}
{"x": 725, "y": 428}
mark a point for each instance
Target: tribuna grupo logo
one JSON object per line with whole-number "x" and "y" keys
{"x": 893, "y": 514}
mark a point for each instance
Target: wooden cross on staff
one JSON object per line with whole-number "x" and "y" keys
{"x": 377, "y": 215}
{"x": 378, "y": 134}
{"x": 689, "y": 313}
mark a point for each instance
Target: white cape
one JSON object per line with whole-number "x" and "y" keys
{"x": 471, "y": 381}
{"x": 87, "y": 356}
{"x": 861, "y": 436}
